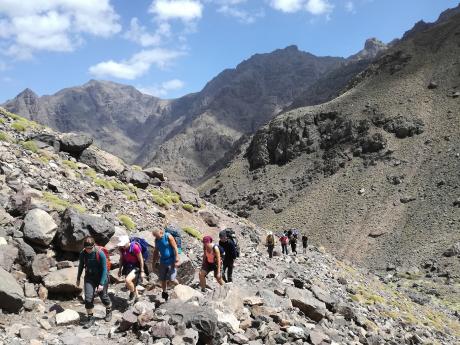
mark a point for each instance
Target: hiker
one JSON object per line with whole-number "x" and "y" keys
{"x": 131, "y": 265}
{"x": 284, "y": 242}
{"x": 96, "y": 280}
{"x": 293, "y": 243}
{"x": 304, "y": 242}
{"x": 230, "y": 255}
{"x": 211, "y": 262}
{"x": 166, "y": 249}
{"x": 270, "y": 243}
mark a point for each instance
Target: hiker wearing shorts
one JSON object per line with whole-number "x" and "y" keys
{"x": 131, "y": 265}
{"x": 211, "y": 262}
{"x": 96, "y": 282}
{"x": 166, "y": 249}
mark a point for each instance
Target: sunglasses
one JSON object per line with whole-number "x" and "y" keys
{"x": 89, "y": 246}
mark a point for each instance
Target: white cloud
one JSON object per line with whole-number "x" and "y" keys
{"x": 163, "y": 89}
{"x": 139, "y": 34}
{"x": 318, "y": 7}
{"x": 137, "y": 65}
{"x": 185, "y": 10}
{"x": 53, "y": 25}
{"x": 350, "y": 6}
{"x": 288, "y": 6}
{"x": 229, "y": 8}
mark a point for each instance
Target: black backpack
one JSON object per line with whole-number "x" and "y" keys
{"x": 232, "y": 237}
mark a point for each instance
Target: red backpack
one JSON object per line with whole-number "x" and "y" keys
{"x": 98, "y": 255}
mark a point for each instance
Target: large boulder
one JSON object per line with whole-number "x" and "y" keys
{"x": 75, "y": 143}
{"x": 184, "y": 293}
{"x": 155, "y": 172}
{"x": 137, "y": 178}
{"x": 307, "y": 303}
{"x": 8, "y": 255}
{"x": 26, "y": 254}
{"x": 62, "y": 281}
{"x": 41, "y": 267}
{"x": 11, "y": 294}
{"x": 102, "y": 161}
{"x": 5, "y": 217}
{"x": 67, "y": 317}
{"x": 39, "y": 227}
{"x": 24, "y": 200}
{"x": 76, "y": 226}
{"x": 453, "y": 250}
{"x": 188, "y": 194}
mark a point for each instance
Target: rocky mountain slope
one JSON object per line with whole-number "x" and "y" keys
{"x": 373, "y": 174}
{"x": 50, "y": 200}
{"x": 188, "y": 135}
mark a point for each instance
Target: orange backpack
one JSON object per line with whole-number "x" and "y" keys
{"x": 107, "y": 257}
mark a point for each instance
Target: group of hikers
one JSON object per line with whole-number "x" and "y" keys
{"x": 286, "y": 238}
{"x": 217, "y": 258}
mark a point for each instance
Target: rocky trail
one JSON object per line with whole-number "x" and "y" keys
{"x": 58, "y": 188}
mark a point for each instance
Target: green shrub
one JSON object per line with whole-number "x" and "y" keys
{"x": 193, "y": 232}
{"x": 30, "y": 145}
{"x": 103, "y": 183}
{"x": 70, "y": 164}
{"x": 90, "y": 173}
{"x": 2, "y": 121}
{"x": 78, "y": 207}
{"x": 164, "y": 197}
{"x": 55, "y": 202}
{"x": 188, "y": 207}
{"x": 131, "y": 196}
{"x": 4, "y": 137}
{"x": 19, "y": 126}
{"x": 136, "y": 167}
{"x": 127, "y": 222}
{"x": 160, "y": 201}
{"x": 118, "y": 185}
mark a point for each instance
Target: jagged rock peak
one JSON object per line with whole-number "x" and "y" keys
{"x": 27, "y": 93}
{"x": 372, "y": 47}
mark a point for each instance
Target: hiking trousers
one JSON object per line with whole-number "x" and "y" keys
{"x": 90, "y": 294}
{"x": 270, "y": 251}
{"x": 294, "y": 248}
{"x": 284, "y": 248}
{"x": 227, "y": 267}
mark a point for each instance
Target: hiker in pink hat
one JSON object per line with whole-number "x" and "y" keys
{"x": 212, "y": 261}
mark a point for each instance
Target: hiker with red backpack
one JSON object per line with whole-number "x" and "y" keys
{"x": 284, "y": 239}
{"x": 96, "y": 262}
{"x": 212, "y": 261}
{"x": 166, "y": 249}
{"x": 131, "y": 264}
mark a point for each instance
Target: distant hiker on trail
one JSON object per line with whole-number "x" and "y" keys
{"x": 270, "y": 243}
{"x": 284, "y": 243}
{"x": 230, "y": 255}
{"x": 304, "y": 242}
{"x": 166, "y": 249}
{"x": 131, "y": 265}
{"x": 211, "y": 262}
{"x": 293, "y": 243}
{"x": 96, "y": 282}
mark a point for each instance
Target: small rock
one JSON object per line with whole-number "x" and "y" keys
{"x": 67, "y": 317}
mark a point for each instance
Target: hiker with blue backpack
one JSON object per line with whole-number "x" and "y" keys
{"x": 96, "y": 262}
{"x": 212, "y": 261}
{"x": 167, "y": 250}
{"x": 131, "y": 264}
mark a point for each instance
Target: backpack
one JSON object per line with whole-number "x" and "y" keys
{"x": 284, "y": 239}
{"x": 232, "y": 237}
{"x": 270, "y": 240}
{"x": 98, "y": 257}
{"x": 174, "y": 231}
{"x": 221, "y": 249}
{"x": 143, "y": 244}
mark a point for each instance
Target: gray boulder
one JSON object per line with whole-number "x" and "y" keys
{"x": 76, "y": 226}
{"x": 11, "y": 294}
{"x": 26, "y": 254}
{"x": 155, "y": 173}
{"x": 307, "y": 303}
{"x": 209, "y": 218}
{"x": 41, "y": 267}
{"x": 39, "y": 227}
{"x": 5, "y": 217}
{"x": 74, "y": 143}
{"x": 188, "y": 194}
{"x": 453, "y": 251}
{"x": 8, "y": 255}
{"x": 137, "y": 178}
{"x": 62, "y": 281}
{"x": 24, "y": 200}
{"x": 102, "y": 161}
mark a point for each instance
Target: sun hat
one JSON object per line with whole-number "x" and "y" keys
{"x": 123, "y": 241}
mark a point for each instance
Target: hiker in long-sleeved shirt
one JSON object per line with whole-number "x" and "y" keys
{"x": 94, "y": 260}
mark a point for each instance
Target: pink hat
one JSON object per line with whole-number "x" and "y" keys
{"x": 207, "y": 239}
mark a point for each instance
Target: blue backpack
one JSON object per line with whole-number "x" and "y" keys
{"x": 142, "y": 243}
{"x": 175, "y": 232}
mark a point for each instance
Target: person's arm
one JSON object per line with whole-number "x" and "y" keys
{"x": 155, "y": 256}
{"x": 218, "y": 259}
{"x": 103, "y": 263}
{"x": 173, "y": 244}
{"x": 140, "y": 258}
{"x": 120, "y": 263}
{"x": 80, "y": 267}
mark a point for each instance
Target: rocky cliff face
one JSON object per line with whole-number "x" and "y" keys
{"x": 188, "y": 135}
{"x": 56, "y": 189}
{"x": 372, "y": 174}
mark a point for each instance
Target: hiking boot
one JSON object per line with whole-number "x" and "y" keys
{"x": 131, "y": 296}
{"x": 108, "y": 315}
{"x": 89, "y": 322}
{"x": 203, "y": 289}
{"x": 165, "y": 295}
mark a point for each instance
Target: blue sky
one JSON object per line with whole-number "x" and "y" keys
{"x": 169, "y": 48}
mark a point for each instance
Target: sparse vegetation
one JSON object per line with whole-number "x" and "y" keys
{"x": 2, "y": 121}
{"x": 78, "y": 207}
{"x": 131, "y": 196}
{"x": 5, "y": 137}
{"x": 70, "y": 164}
{"x": 136, "y": 167}
{"x": 118, "y": 185}
{"x": 127, "y": 222}
{"x": 193, "y": 232}
{"x": 55, "y": 202}
{"x": 188, "y": 207}
{"x": 90, "y": 173}
{"x": 19, "y": 126}
{"x": 164, "y": 197}
{"x": 29, "y": 145}
{"x": 102, "y": 183}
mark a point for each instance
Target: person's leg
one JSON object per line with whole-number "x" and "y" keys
{"x": 89, "y": 288}
{"x": 202, "y": 276}
{"x": 224, "y": 268}
{"x": 106, "y": 302}
{"x": 218, "y": 278}
{"x": 230, "y": 271}
{"x": 130, "y": 279}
